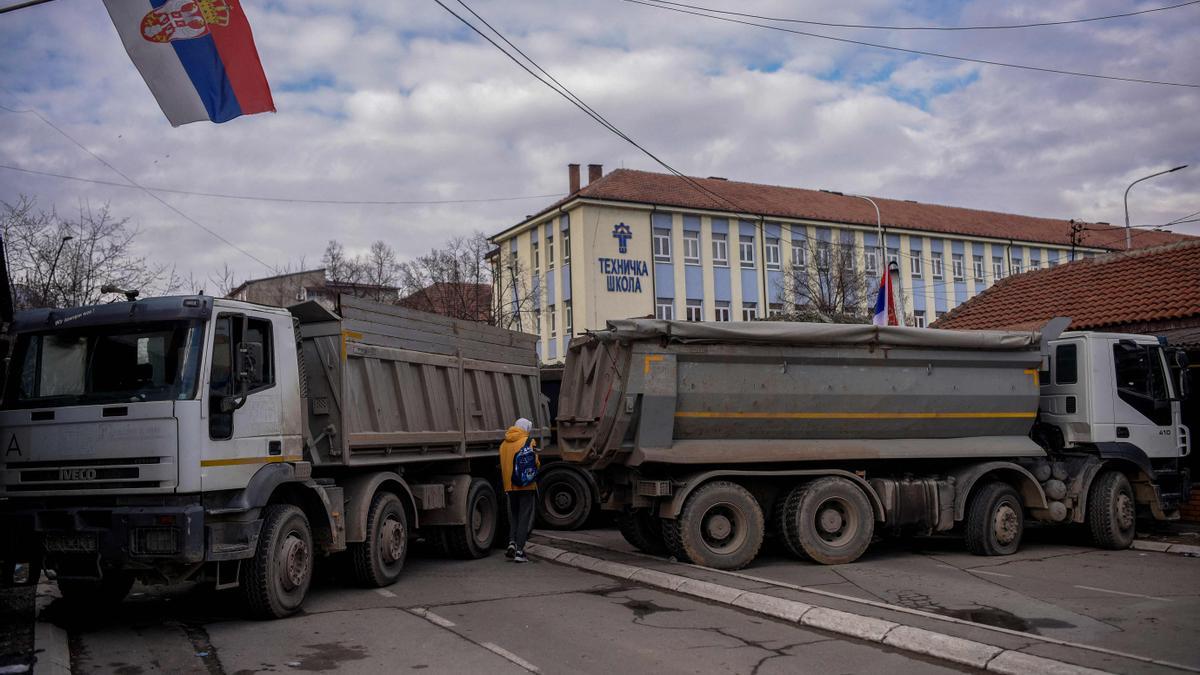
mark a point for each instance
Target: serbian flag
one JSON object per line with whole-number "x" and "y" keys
{"x": 197, "y": 57}
{"x": 885, "y": 303}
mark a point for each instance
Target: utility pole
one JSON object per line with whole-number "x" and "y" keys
{"x": 1076, "y": 236}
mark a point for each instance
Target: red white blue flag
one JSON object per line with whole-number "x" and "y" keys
{"x": 885, "y": 303}
{"x": 197, "y": 57}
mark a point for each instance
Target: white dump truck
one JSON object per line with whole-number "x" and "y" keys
{"x": 193, "y": 438}
{"x": 705, "y": 437}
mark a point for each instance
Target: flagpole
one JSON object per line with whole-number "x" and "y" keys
{"x": 22, "y": 5}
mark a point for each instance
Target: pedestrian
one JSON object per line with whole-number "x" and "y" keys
{"x": 521, "y": 493}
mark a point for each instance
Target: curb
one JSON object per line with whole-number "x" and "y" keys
{"x": 50, "y": 647}
{"x": 907, "y": 638}
{"x": 1165, "y": 547}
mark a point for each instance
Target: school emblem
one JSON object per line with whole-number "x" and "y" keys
{"x": 622, "y": 233}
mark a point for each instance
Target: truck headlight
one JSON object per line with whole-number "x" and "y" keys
{"x": 155, "y": 540}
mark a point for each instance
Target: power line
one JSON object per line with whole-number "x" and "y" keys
{"x": 918, "y": 52}
{"x": 290, "y": 200}
{"x": 134, "y": 183}
{"x": 830, "y": 24}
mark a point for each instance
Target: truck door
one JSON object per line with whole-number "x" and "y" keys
{"x": 1144, "y": 415}
{"x": 243, "y": 402}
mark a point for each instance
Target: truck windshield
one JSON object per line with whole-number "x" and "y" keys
{"x": 157, "y": 361}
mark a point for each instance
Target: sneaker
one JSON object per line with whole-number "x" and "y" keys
{"x": 512, "y": 550}
{"x": 520, "y": 557}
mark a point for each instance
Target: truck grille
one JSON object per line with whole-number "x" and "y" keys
{"x": 89, "y": 475}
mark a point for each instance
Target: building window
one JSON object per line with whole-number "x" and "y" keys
{"x": 664, "y": 309}
{"x": 551, "y": 316}
{"x": 662, "y": 245}
{"x": 695, "y": 310}
{"x": 722, "y": 308}
{"x": 749, "y": 311}
{"x": 1052, "y": 262}
{"x": 568, "y": 319}
{"x": 893, "y": 257}
{"x": 746, "y": 250}
{"x": 566, "y": 245}
{"x": 799, "y": 252}
{"x": 871, "y": 258}
{"x": 537, "y": 321}
{"x": 938, "y": 315}
{"x": 997, "y": 268}
{"x": 977, "y": 267}
{"x": 720, "y": 250}
{"x": 691, "y": 248}
{"x": 919, "y": 318}
{"x": 1016, "y": 265}
{"x": 1035, "y": 264}
{"x": 772, "y": 254}
{"x": 550, "y": 252}
{"x": 915, "y": 264}
{"x": 960, "y": 267}
{"x": 775, "y": 310}
{"x": 535, "y": 256}
{"x": 936, "y": 264}
{"x": 822, "y": 255}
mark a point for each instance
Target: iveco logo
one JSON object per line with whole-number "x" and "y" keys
{"x": 77, "y": 474}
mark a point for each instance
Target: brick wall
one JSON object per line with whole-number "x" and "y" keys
{"x": 1191, "y": 510}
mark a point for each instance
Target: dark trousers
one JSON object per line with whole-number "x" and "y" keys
{"x": 521, "y": 505}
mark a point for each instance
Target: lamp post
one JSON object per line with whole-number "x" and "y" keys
{"x": 878, "y": 227}
{"x": 1129, "y": 237}
{"x": 50, "y": 276}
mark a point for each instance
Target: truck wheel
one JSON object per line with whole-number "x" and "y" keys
{"x": 828, "y": 520}
{"x": 643, "y": 530}
{"x": 995, "y": 520}
{"x": 377, "y": 562}
{"x": 96, "y": 593}
{"x": 277, "y": 577}
{"x": 474, "y": 539}
{"x": 1111, "y": 511}
{"x": 670, "y": 537}
{"x": 721, "y": 526}
{"x": 566, "y": 499}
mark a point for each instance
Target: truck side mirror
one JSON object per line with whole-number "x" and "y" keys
{"x": 248, "y": 369}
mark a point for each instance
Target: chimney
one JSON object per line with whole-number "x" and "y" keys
{"x": 595, "y": 171}
{"x": 573, "y": 177}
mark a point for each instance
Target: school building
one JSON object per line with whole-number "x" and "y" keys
{"x": 637, "y": 243}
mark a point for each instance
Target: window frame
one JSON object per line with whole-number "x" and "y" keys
{"x": 916, "y": 264}
{"x": 773, "y": 262}
{"x": 696, "y": 306}
{"x": 871, "y": 261}
{"x": 723, "y": 308}
{"x": 664, "y": 309}
{"x": 977, "y": 267}
{"x": 746, "y": 244}
{"x": 958, "y": 266}
{"x": 919, "y": 319}
{"x": 800, "y": 247}
{"x": 720, "y": 240}
{"x": 691, "y": 240}
{"x": 661, "y": 240}
{"x": 749, "y": 311}
{"x": 566, "y": 246}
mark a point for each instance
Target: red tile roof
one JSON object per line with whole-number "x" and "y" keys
{"x": 628, "y": 185}
{"x": 459, "y": 300}
{"x": 1155, "y": 284}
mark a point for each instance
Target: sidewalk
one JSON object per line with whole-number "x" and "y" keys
{"x": 1169, "y": 537}
{"x": 16, "y": 629}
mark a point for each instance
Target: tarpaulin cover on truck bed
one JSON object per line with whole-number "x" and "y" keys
{"x": 794, "y": 333}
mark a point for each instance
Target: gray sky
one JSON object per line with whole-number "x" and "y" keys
{"x": 398, "y": 101}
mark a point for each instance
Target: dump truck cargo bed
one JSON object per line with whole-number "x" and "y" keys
{"x": 390, "y": 385}
{"x": 650, "y": 391}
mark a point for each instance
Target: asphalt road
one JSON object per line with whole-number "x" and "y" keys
{"x": 1135, "y": 602}
{"x": 488, "y": 615}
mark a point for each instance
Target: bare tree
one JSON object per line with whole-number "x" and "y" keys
{"x": 339, "y": 268}
{"x": 223, "y": 281}
{"x": 380, "y": 272}
{"x": 828, "y": 287}
{"x": 59, "y": 262}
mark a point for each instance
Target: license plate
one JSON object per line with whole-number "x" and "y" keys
{"x": 70, "y": 543}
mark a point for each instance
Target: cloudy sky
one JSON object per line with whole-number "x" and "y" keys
{"x": 399, "y": 101}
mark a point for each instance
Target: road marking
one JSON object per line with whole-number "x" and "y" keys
{"x": 945, "y": 566}
{"x": 497, "y": 649}
{"x": 1131, "y": 595}
{"x": 385, "y": 592}
{"x": 894, "y": 608}
{"x": 432, "y": 618}
{"x": 990, "y": 574}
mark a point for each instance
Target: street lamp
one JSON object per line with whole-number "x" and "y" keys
{"x": 50, "y": 277}
{"x": 1128, "y": 237}
{"x": 878, "y": 227}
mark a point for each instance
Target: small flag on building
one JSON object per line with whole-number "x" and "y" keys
{"x": 885, "y": 303}
{"x": 197, "y": 57}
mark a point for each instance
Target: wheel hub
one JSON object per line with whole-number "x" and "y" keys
{"x": 830, "y": 521}
{"x": 1124, "y": 511}
{"x": 562, "y": 500}
{"x": 293, "y": 562}
{"x": 719, "y": 526}
{"x": 1005, "y": 524}
{"x": 392, "y": 540}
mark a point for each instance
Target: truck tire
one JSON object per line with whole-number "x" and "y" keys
{"x": 721, "y": 526}
{"x": 278, "y": 576}
{"x": 474, "y": 538}
{"x": 995, "y": 520}
{"x": 670, "y": 537}
{"x": 378, "y": 561}
{"x": 565, "y": 499}
{"x": 1111, "y": 511}
{"x": 643, "y": 530}
{"x": 828, "y": 520}
{"x": 96, "y": 593}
